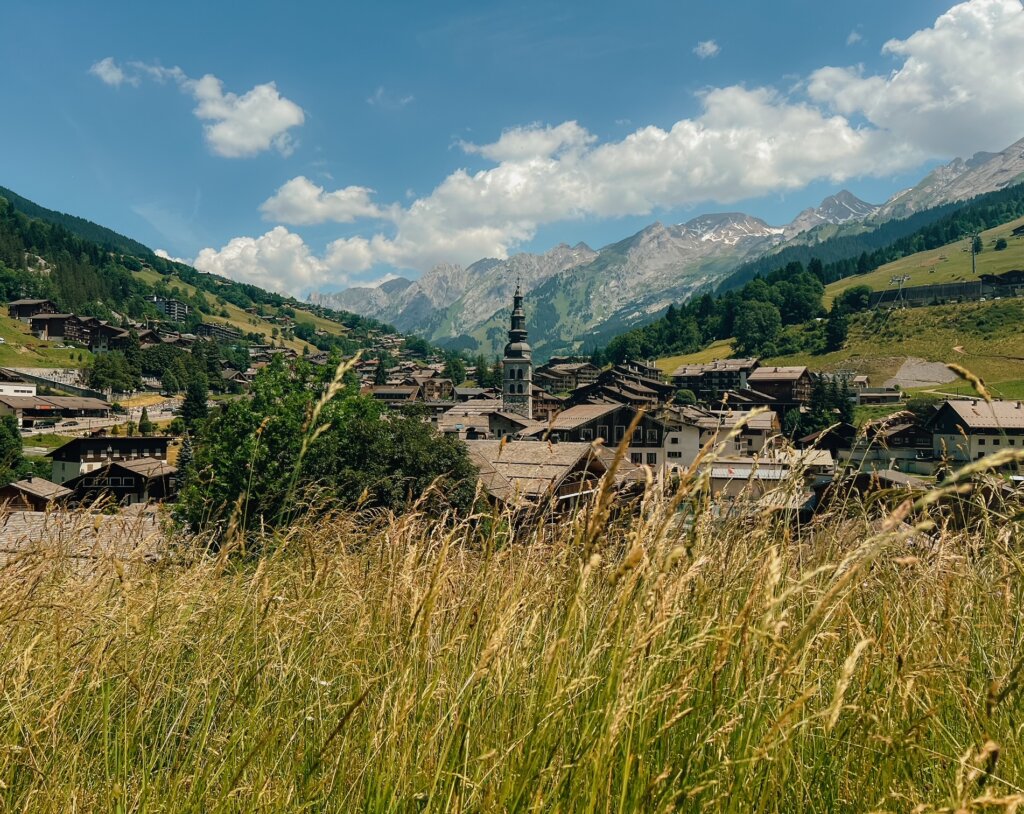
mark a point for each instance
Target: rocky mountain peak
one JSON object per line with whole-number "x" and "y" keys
{"x": 843, "y": 207}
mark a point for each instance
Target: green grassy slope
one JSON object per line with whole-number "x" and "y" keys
{"x": 948, "y": 264}
{"x": 985, "y": 337}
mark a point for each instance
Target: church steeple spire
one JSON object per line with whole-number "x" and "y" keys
{"x": 517, "y": 366}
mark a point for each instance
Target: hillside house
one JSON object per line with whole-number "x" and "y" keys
{"x": 531, "y": 474}
{"x": 33, "y": 494}
{"x": 968, "y": 429}
{"x": 587, "y": 422}
{"x": 59, "y": 328}
{"x": 84, "y": 455}
{"x": 786, "y": 386}
{"x": 27, "y": 308}
{"x": 562, "y": 374}
{"x": 126, "y": 482}
{"x": 393, "y": 395}
{"x": 708, "y": 380}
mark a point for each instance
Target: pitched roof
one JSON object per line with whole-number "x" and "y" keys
{"x": 979, "y": 414}
{"x": 83, "y": 536}
{"x": 531, "y": 469}
{"x": 581, "y": 414}
{"x": 766, "y": 374}
{"x": 41, "y": 487}
{"x": 730, "y": 365}
{"x": 147, "y": 467}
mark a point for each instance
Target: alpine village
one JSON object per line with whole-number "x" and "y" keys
{"x": 723, "y": 512}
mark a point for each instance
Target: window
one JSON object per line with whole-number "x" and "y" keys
{"x": 519, "y": 373}
{"x": 981, "y": 442}
{"x": 673, "y": 440}
{"x": 675, "y": 454}
{"x": 652, "y": 458}
{"x": 620, "y": 430}
{"x": 586, "y": 435}
{"x": 652, "y": 436}
{"x": 635, "y": 458}
{"x": 602, "y": 432}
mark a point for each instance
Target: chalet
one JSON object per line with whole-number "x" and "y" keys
{"x": 393, "y": 395}
{"x": 787, "y": 386}
{"x": 620, "y": 386}
{"x": 33, "y": 494}
{"x": 511, "y": 425}
{"x": 897, "y": 442}
{"x": 968, "y": 429}
{"x": 545, "y": 404}
{"x": 645, "y": 370}
{"x": 84, "y": 455}
{"x": 59, "y": 328}
{"x": 105, "y": 337}
{"x": 235, "y": 379}
{"x": 754, "y": 432}
{"x": 126, "y": 482}
{"x": 780, "y": 479}
{"x": 26, "y": 309}
{"x": 474, "y": 393}
{"x": 469, "y": 419}
{"x": 838, "y": 439}
{"x": 708, "y": 380}
{"x": 530, "y": 474}
{"x": 562, "y": 374}
{"x": 434, "y": 388}
{"x": 609, "y": 422}
{"x": 682, "y": 439}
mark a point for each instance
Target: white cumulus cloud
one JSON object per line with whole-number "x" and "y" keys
{"x": 705, "y": 49}
{"x": 956, "y": 87}
{"x": 301, "y": 202}
{"x": 960, "y": 83}
{"x": 235, "y": 126}
{"x": 166, "y": 256}
{"x": 277, "y": 261}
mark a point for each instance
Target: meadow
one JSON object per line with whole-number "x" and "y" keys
{"x": 661, "y": 659}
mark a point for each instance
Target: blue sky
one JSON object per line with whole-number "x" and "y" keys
{"x": 314, "y": 145}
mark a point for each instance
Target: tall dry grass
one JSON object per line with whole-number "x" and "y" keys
{"x": 667, "y": 661}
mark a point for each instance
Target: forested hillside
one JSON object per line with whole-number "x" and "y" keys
{"x": 110, "y": 277}
{"x": 80, "y": 227}
{"x": 787, "y": 289}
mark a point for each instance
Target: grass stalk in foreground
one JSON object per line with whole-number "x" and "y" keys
{"x": 405, "y": 664}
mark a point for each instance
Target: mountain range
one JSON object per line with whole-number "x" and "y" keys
{"x": 578, "y": 294}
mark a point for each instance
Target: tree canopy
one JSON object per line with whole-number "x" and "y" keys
{"x": 252, "y": 450}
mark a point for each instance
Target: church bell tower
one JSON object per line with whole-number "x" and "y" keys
{"x": 517, "y": 366}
